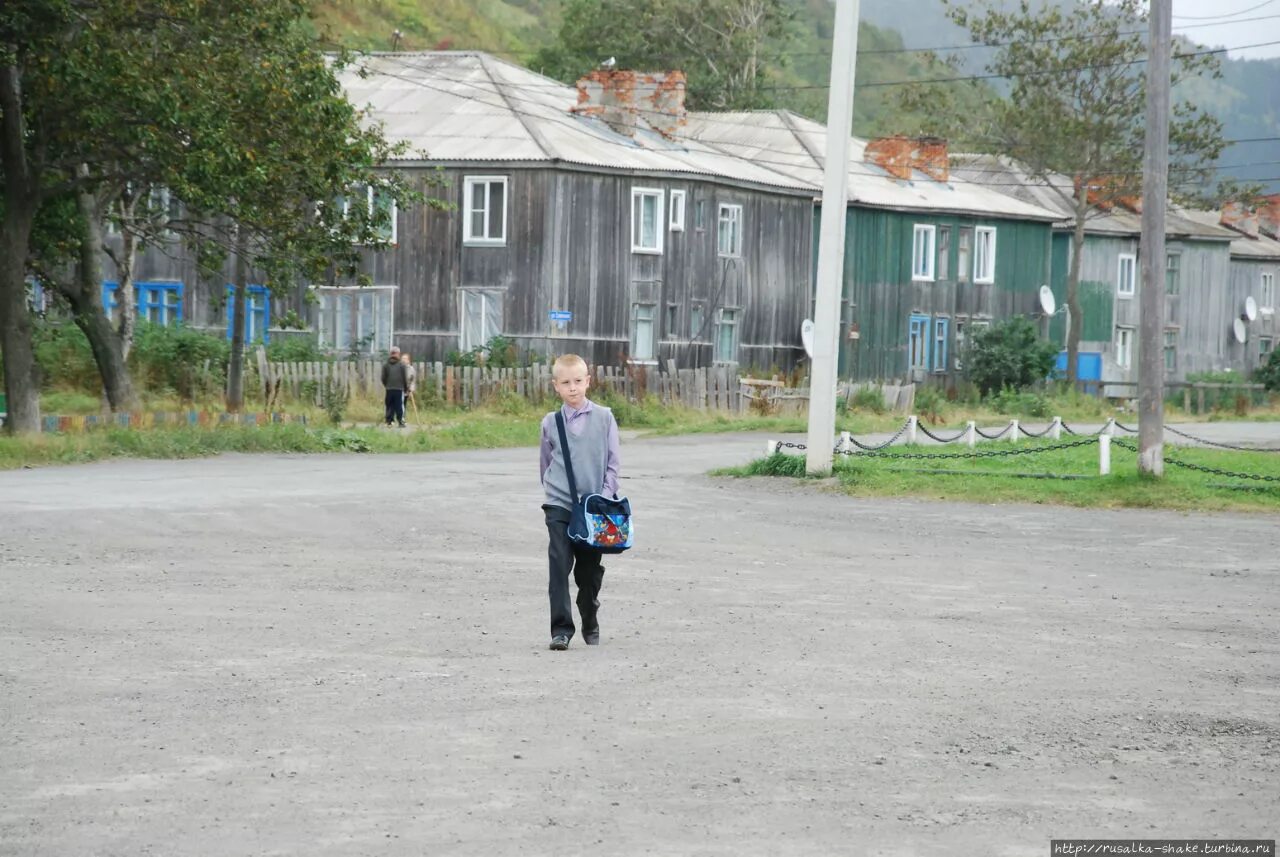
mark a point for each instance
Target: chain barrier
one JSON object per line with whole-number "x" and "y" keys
{"x": 1069, "y": 430}
{"x": 874, "y": 447}
{"x": 1257, "y": 477}
{"x": 928, "y": 433}
{"x": 1124, "y": 427}
{"x": 925, "y": 456}
{"x": 1220, "y": 445}
{"x": 1046, "y": 431}
{"x": 1004, "y": 431}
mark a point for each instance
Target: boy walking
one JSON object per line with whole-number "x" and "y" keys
{"x": 592, "y": 435}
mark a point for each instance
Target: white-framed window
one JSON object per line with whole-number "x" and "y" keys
{"x": 964, "y": 251}
{"x": 677, "y": 211}
{"x": 484, "y": 211}
{"x": 1171, "y": 351}
{"x": 481, "y": 317}
{"x": 943, "y": 271}
{"x": 729, "y": 230}
{"x": 1268, "y": 295}
{"x": 1124, "y": 347}
{"x": 940, "y": 326}
{"x": 355, "y": 319}
{"x": 643, "y": 332}
{"x": 984, "y": 254}
{"x": 727, "y": 336}
{"x": 376, "y": 202}
{"x": 1126, "y": 276}
{"x": 922, "y": 253}
{"x": 646, "y": 220}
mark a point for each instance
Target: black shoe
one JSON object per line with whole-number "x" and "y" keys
{"x": 591, "y": 638}
{"x": 401, "y": 425}
{"x": 559, "y": 643}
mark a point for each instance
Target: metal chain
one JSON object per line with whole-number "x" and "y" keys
{"x": 1069, "y": 430}
{"x": 928, "y": 433}
{"x": 1221, "y": 445}
{"x": 974, "y": 454}
{"x": 1200, "y": 467}
{"x": 1023, "y": 429}
{"x": 1004, "y": 431}
{"x": 1124, "y": 427}
{"x": 782, "y": 444}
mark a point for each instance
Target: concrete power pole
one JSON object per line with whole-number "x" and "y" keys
{"x": 1155, "y": 193}
{"x": 835, "y": 200}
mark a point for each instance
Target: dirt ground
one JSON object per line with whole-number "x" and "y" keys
{"x": 347, "y": 655}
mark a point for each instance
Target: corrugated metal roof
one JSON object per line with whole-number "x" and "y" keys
{"x": 792, "y": 144}
{"x": 469, "y": 106}
{"x": 1260, "y": 248}
{"x": 1005, "y": 176}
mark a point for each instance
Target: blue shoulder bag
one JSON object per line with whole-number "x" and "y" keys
{"x": 596, "y": 521}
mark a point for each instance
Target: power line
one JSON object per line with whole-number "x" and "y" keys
{"x": 1228, "y": 15}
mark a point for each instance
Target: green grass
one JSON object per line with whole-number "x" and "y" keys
{"x": 1061, "y": 476}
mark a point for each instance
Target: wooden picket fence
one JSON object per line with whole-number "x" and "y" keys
{"x": 716, "y": 388}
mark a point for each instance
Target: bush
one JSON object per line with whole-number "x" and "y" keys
{"x": 65, "y": 359}
{"x": 1008, "y": 354}
{"x": 869, "y": 399}
{"x": 931, "y": 404}
{"x": 180, "y": 359}
{"x": 333, "y": 399}
{"x": 295, "y": 349}
{"x": 1268, "y": 374}
{"x": 1017, "y": 403}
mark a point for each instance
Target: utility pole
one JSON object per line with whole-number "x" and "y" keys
{"x": 835, "y": 200}
{"x": 1155, "y": 193}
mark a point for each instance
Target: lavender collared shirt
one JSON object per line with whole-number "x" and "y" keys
{"x": 574, "y": 423}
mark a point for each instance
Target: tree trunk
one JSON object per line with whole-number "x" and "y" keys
{"x": 126, "y": 301}
{"x": 235, "y": 369}
{"x": 1075, "y": 318}
{"x": 21, "y": 375}
{"x": 86, "y": 301}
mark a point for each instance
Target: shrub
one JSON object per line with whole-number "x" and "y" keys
{"x": 179, "y": 358}
{"x": 295, "y": 349}
{"x": 65, "y": 359}
{"x": 931, "y": 403}
{"x": 1268, "y": 374}
{"x": 1020, "y": 404}
{"x": 1008, "y": 354}
{"x": 869, "y": 399}
{"x": 333, "y": 399}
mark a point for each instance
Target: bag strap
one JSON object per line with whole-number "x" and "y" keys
{"x": 568, "y": 463}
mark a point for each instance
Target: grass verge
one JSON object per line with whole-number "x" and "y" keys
{"x": 1062, "y": 476}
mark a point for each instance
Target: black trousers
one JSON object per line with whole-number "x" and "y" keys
{"x": 395, "y": 406}
{"x": 564, "y": 556}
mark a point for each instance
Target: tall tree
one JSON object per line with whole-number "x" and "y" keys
{"x": 1076, "y": 109}
{"x": 724, "y": 47}
{"x": 230, "y": 108}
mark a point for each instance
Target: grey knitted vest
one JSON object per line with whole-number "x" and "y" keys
{"x": 590, "y": 453}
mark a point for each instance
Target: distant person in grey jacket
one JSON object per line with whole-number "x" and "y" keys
{"x": 395, "y": 377}
{"x": 592, "y": 435}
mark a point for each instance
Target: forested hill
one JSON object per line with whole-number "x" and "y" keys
{"x": 1246, "y": 98}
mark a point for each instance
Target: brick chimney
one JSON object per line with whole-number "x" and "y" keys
{"x": 899, "y": 155}
{"x": 1103, "y": 194}
{"x": 1235, "y": 216}
{"x": 1269, "y": 215}
{"x": 628, "y": 100}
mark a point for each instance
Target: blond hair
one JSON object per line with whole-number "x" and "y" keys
{"x": 567, "y": 361}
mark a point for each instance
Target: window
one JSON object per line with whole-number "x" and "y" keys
{"x": 646, "y": 215}
{"x": 729, "y": 231}
{"x": 922, "y": 244}
{"x": 962, "y": 327}
{"x": 37, "y": 297}
{"x": 1173, "y": 274}
{"x": 257, "y": 313}
{"x": 158, "y": 303}
{"x": 944, "y": 252}
{"x": 984, "y": 255}
{"x": 356, "y": 320}
{"x": 673, "y": 317}
{"x": 162, "y": 207}
{"x": 697, "y": 318}
{"x": 484, "y": 215}
{"x": 918, "y": 343}
{"x": 642, "y": 332}
{"x": 1171, "y": 351}
{"x": 481, "y": 317}
{"x": 1264, "y": 348}
{"x": 700, "y": 215}
{"x": 1125, "y": 278}
{"x": 1124, "y": 347}
{"x": 964, "y": 244}
{"x": 677, "y": 211}
{"x": 727, "y": 336}
{"x": 378, "y": 205}
{"x": 940, "y": 344}
{"x": 1268, "y": 291}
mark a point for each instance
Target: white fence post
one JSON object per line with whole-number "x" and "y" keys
{"x": 971, "y": 434}
{"x": 1104, "y": 454}
{"x": 1055, "y": 430}
{"x": 912, "y": 422}
{"x": 1013, "y": 431}
{"x": 771, "y": 447}
{"x": 1110, "y": 430}
{"x": 845, "y": 442}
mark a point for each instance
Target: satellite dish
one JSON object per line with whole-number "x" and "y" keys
{"x": 1047, "y": 301}
{"x": 806, "y": 335}
{"x": 1250, "y": 309}
{"x": 1238, "y": 328}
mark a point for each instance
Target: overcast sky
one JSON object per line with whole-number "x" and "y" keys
{"x": 1233, "y": 22}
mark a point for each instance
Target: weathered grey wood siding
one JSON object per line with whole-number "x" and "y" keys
{"x": 1246, "y": 281}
